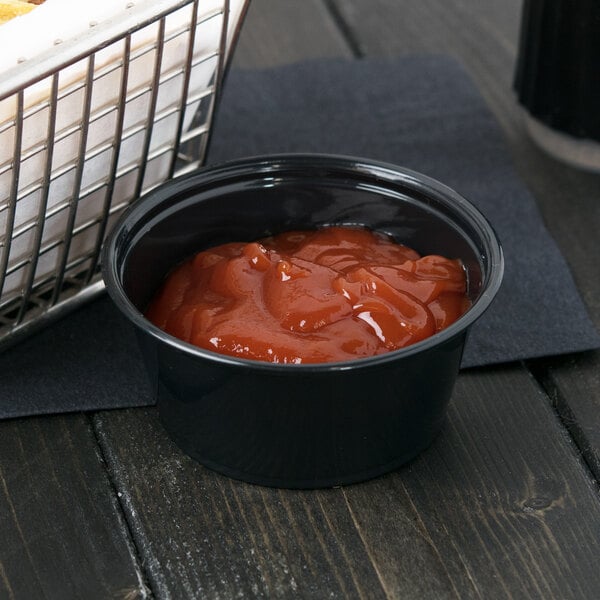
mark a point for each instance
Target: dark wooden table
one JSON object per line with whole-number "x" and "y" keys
{"x": 504, "y": 504}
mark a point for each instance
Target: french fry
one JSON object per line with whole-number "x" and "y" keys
{"x": 13, "y": 8}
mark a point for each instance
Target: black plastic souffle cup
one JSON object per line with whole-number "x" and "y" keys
{"x": 288, "y": 425}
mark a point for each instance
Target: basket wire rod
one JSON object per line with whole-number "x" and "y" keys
{"x": 97, "y": 38}
{"x": 32, "y": 301}
{"x": 12, "y": 201}
{"x": 118, "y": 135}
{"x": 109, "y": 68}
{"x": 218, "y": 80}
{"x": 154, "y": 89}
{"x": 73, "y": 201}
{"x": 186, "y": 84}
{"x": 191, "y": 134}
{"x": 44, "y": 318}
{"x": 27, "y": 289}
{"x": 97, "y": 115}
{"x": 193, "y": 98}
{"x": 48, "y": 247}
{"x": 131, "y": 132}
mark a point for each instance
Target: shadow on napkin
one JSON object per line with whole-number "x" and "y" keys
{"x": 421, "y": 112}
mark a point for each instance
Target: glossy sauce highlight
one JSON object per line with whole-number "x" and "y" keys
{"x": 332, "y": 294}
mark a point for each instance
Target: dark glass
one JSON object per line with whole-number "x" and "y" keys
{"x": 557, "y": 76}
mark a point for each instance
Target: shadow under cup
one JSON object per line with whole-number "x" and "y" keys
{"x": 301, "y": 426}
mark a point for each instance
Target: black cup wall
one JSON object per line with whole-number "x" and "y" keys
{"x": 298, "y": 425}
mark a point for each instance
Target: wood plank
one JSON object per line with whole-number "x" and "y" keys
{"x": 500, "y": 506}
{"x": 501, "y": 496}
{"x": 464, "y": 29}
{"x": 62, "y": 530}
{"x": 573, "y": 384}
{"x": 571, "y": 208}
{"x": 204, "y": 536}
{"x": 279, "y": 32}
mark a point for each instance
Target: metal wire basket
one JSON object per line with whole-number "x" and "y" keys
{"x": 88, "y": 129}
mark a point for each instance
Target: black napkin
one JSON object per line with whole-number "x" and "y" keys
{"x": 421, "y": 112}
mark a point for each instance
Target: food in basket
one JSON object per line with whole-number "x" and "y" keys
{"x": 332, "y": 294}
{"x": 78, "y": 117}
{"x": 9, "y": 9}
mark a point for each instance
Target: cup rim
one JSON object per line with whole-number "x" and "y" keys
{"x": 263, "y": 165}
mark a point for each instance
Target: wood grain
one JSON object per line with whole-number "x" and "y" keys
{"x": 63, "y": 535}
{"x": 573, "y": 384}
{"x": 279, "y": 32}
{"x": 499, "y": 507}
{"x": 501, "y": 496}
{"x": 202, "y": 535}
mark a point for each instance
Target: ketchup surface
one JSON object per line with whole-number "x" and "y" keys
{"x": 333, "y": 294}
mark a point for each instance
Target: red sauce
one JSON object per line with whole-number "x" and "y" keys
{"x": 332, "y": 294}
